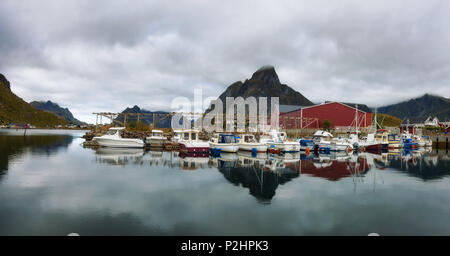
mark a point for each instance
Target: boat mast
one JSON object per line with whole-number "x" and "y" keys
{"x": 356, "y": 119}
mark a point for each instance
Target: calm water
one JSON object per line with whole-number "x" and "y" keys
{"x": 51, "y": 185}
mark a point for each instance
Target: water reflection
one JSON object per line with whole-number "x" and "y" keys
{"x": 13, "y": 147}
{"x": 119, "y": 156}
{"x": 262, "y": 173}
{"x": 134, "y": 192}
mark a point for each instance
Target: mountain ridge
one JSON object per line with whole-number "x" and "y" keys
{"x": 14, "y": 109}
{"x": 420, "y": 108}
{"x": 146, "y": 119}
{"x": 54, "y": 108}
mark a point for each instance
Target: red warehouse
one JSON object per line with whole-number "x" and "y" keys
{"x": 341, "y": 115}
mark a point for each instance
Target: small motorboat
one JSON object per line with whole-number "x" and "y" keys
{"x": 407, "y": 141}
{"x": 190, "y": 143}
{"x": 248, "y": 142}
{"x": 422, "y": 141}
{"x": 325, "y": 140}
{"x": 157, "y": 139}
{"x": 113, "y": 138}
{"x": 279, "y": 142}
{"x": 224, "y": 143}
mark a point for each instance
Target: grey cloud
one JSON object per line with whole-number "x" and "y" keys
{"x": 107, "y": 55}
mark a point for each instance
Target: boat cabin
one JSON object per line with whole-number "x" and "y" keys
{"x": 322, "y": 135}
{"x": 190, "y": 135}
{"x": 248, "y": 138}
{"x": 223, "y": 138}
{"x": 382, "y": 135}
{"x": 115, "y": 131}
{"x": 157, "y": 133}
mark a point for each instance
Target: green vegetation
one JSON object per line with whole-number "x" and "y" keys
{"x": 327, "y": 124}
{"x": 15, "y": 110}
{"x": 138, "y": 126}
{"x": 386, "y": 120}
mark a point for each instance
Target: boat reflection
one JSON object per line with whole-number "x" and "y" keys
{"x": 194, "y": 161}
{"x": 119, "y": 156}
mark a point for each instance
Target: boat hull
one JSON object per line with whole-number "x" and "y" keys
{"x": 119, "y": 143}
{"x": 155, "y": 142}
{"x": 260, "y": 148}
{"x": 334, "y": 146}
{"x": 194, "y": 147}
{"x": 225, "y": 147}
{"x": 285, "y": 147}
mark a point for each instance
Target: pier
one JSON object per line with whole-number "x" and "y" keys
{"x": 440, "y": 142}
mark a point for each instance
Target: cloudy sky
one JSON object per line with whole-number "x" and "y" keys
{"x": 107, "y": 55}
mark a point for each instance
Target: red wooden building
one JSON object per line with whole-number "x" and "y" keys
{"x": 340, "y": 114}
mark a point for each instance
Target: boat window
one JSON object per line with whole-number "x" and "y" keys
{"x": 186, "y": 136}
{"x": 111, "y": 132}
{"x": 193, "y": 136}
{"x": 157, "y": 134}
{"x": 228, "y": 139}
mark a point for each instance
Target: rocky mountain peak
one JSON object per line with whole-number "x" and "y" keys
{"x": 4, "y": 81}
{"x": 267, "y": 75}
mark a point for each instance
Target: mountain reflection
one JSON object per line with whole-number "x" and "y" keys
{"x": 263, "y": 173}
{"x": 15, "y": 146}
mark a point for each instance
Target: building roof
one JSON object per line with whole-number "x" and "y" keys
{"x": 362, "y": 107}
{"x": 289, "y": 108}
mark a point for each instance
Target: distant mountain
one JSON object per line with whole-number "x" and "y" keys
{"x": 265, "y": 83}
{"x": 419, "y": 109}
{"x": 15, "y": 110}
{"x": 64, "y": 113}
{"x": 146, "y": 119}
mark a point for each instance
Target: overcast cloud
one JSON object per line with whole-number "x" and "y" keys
{"x": 108, "y": 55}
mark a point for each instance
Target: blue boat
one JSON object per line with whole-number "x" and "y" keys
{"x": 306, "y": 143}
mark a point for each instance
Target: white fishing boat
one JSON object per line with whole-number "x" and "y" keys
{"x": 326, "y": 140}
{"x": 190, "y": 143}
{"x": 157, "y": 139}
{"x": 113, "y": 138}
{"x": 280, "y": 142}
{"x": 422, "y": 141}
{"x": 248, "y": 142}
{"x": 224, "y": 142}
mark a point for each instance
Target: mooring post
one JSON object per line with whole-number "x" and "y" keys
{"x": 96, "y": 123}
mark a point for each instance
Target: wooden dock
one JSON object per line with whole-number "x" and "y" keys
{"x": 440, "y": 142}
